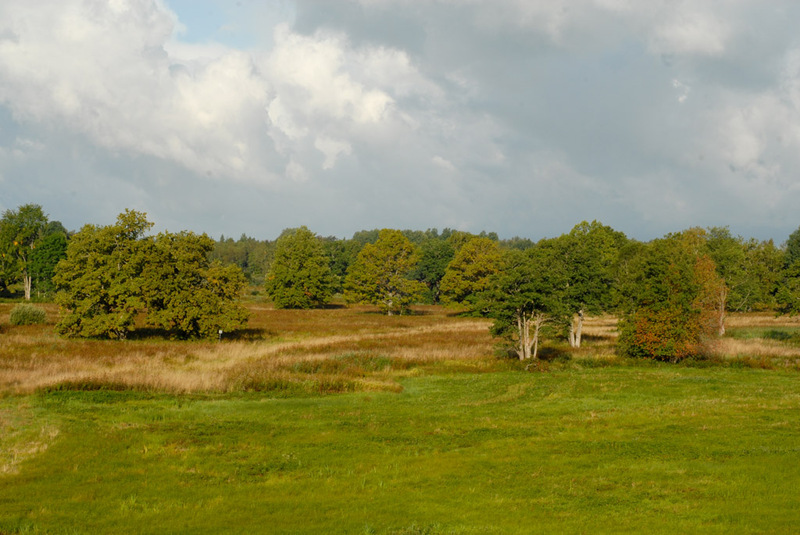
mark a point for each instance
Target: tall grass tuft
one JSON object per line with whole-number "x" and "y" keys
{"x": 25, "y": 314}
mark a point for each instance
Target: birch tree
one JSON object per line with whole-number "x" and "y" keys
{"x": 520, "y": 299}
{"x": 21, "y": 230}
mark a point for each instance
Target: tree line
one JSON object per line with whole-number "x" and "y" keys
{"x": 671, "y": 294}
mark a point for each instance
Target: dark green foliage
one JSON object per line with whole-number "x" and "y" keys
{"x": 381, "y": 274}
{"x": 99, "y": 281}
{"x": 520, "y": 299}
{"x": 25, "y": 314}
{"x": 300, "y": 276}
{"x": 21, "y": 230}
{"x": 751, "y": 269}
{"x": 435, "y": 255}
{"x": 585, "y": 260}
{"x": 516, "y": 242}
{"x": 253, "y": 256}
{"x": 788, "y": 292}
{"x": 44, "y": 258}
{"x": 188, "y": 295}
{"x": 792, "y": 249}
{"x": 114, "y": 273}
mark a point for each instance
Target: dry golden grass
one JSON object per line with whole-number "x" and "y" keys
{"x": 760, "y": 319}
{"x": 333, "y": 349}
{"x": 270, "y": 354}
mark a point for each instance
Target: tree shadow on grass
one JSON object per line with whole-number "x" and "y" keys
{"x": 239, "y": 335}
{"x": 554, "y": 354}
{"x": 249, "y": 335}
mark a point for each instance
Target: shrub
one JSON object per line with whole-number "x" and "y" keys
{"x": 24, "y": 314}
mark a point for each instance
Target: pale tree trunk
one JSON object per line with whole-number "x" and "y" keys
{"x": 721, "y": 304}
{"x": 26, "y": 279}
{"x": 522, "y": 330}
{"x": 576, "y": 329}
{"x": 538, "y": 320}
{"x": 528, "y": 344}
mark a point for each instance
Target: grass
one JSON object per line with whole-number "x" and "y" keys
{"x": 658, "y": 449}
{"x": 429, "y": 431}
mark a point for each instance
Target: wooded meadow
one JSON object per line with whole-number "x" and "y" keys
{"x": 398, "y": 381}
{"x": 671, "y": 295}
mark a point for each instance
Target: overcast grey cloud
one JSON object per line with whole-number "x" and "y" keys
{"x": 520, "y": 117}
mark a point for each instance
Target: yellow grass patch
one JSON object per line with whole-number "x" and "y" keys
{"x": 274, "y": 348}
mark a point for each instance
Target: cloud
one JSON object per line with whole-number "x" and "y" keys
{"x": 511, "y": 115}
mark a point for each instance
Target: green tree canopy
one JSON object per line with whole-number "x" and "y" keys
{"x": 788, "y": 292}
{"x": 673, "y": 299}
{"x": 588, "y": 256}
{"x": 380, "y": 274}
{"x": 21, "y": 230}
{"x": 469, "y": 272}
{"x": 300, "y": 276}
{"x": 44, "y": 258}
{"x": 112, "y": 274}
{"x": 435, "y": 255}
{"x": 522, "y": 297}
{"x": 99, "y": 280}
{"x": 187, "y": 294}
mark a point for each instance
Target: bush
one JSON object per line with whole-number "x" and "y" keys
{"x": 25, "y": 314}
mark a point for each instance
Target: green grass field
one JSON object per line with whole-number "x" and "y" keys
{"x": 587, "y": 443}
{"x": 651, "y": 449}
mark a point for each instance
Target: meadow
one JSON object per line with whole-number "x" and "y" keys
{"x": 346, "y": 421}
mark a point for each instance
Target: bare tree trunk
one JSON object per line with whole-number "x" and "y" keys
{"x": 538, "y": 320}
{"x": 576, "y": 329}
{"x": 723, "y": 300}
{"x": 27, "y": 282}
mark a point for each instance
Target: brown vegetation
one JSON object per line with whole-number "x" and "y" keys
{"x": 329, "y": 350}
{"x": 332, "y": 349}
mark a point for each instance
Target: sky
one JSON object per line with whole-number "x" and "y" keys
{"x": 520, "y": 117}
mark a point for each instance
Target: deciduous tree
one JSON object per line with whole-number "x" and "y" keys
{"x": 21, "y": 230}
{"x": 672, "y": 300}
{"x": 381, "y": 274}
{"x": 469, "y": 272}
{"x": 586, "y": 257}
{"x": 187, "y": 294}
{"x": 114, "y": 273}
{"x": 300, "y": 276}
{"x": 520, "y": 300}
{"x": 100, "y": 279}
{"x": 435, "y": 255}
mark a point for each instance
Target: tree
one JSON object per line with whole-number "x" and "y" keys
{"x": 21, "y": 230}
{"x": 469, "y": 272}
{"x": 435, "y": 255}
{"x": 672, "y": 299}
{"x": 114, "y": 273}
{"x": 586, "y": 258}
{"x": 380, "y": 274}
{"x": 764, "y": 270}
{"x": 187, "y": 294}
{"x": 99, "y": 280}
{"x": 792, "y": 248}
{"x": 788, "y": 293}
{"x": 44, "y": 258}
{"x": 300, "y": 276}
{"x": 519, "y": 298}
